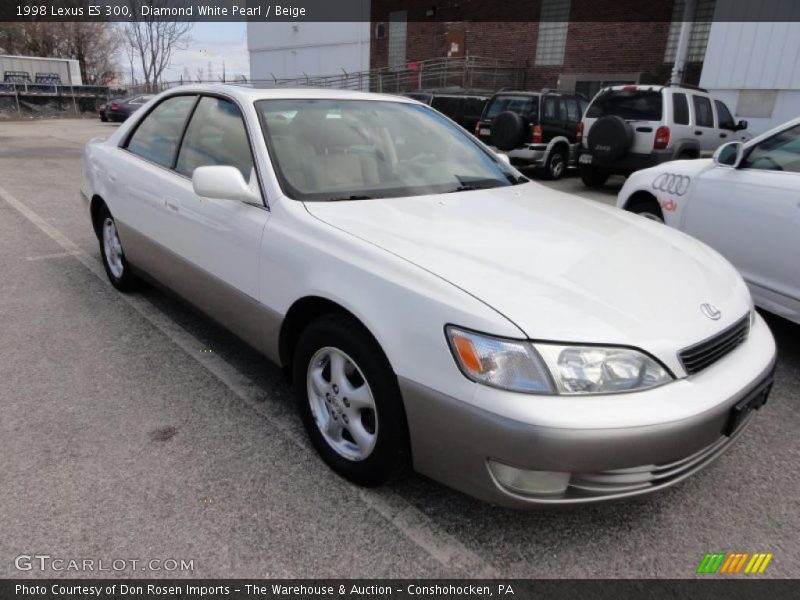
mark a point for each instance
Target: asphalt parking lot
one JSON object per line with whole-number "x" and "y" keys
{"x": 133, "y": 428}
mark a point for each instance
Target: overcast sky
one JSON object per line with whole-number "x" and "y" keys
{"x": 214, "y": 42}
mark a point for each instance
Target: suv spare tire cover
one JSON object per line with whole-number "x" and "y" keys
{"x": 507, "y": 129}
{"x": 610, "y": 138}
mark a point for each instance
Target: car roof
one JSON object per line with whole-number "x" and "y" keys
{"x": 251, "y": 94}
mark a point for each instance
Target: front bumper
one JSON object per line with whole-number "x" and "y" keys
{"x": 453, "y": 441}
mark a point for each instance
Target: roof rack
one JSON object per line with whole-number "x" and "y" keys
{"x": 686, "y": 85}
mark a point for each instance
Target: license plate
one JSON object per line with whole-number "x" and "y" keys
{"x": 585, "y": 159}
{"x": 753, "y": 401}
{"x": 485, "y": 132}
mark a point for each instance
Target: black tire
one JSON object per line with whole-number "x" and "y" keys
{"x": 593, "y": 178}
{"x": 556, "y": 164}
{"x": 647, "y": 208}
{"x": 104, "y": 118}
{"x": 390, "y": 455}
{"x": 124, "y": 281}
{"x": 507, "y": 130}
{"x": 609, "y": 139}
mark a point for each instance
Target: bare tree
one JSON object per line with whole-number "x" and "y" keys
{"x": 94, "y": 45}
{"x": 153, "y": 41}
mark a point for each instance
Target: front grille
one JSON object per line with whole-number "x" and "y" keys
{"x": 696, "y": 358}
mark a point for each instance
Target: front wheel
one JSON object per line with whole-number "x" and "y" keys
{"x": 649, "y": 209}
{"x": 116, "y": 266}
{"x": 349, "y": 401}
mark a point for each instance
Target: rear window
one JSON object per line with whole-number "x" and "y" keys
{"x": 632, "y": 105}
{"x": 523, "y": 105}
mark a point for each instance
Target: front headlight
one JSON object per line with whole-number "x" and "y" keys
{"x": 540, "y": 368}
{"x": 509, "y": 364}
{"x": 601, "y": 370}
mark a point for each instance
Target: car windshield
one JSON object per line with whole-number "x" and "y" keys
{"x": 523, "y": 105}
{"x": 632, "y": 105}
{"x": 332, "y": 149}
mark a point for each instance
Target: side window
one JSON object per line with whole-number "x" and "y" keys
{"x": 562, "y": 109}
{"x": 216, "y": 136}
{"x": 550, "y": 109}
{"x": 703, "y": 117}
{"x": 573, "y": 112}
{"x": 781, "y": 152}
{"x": 724, "y": 116}
{"x": 680, "y": 109}
{"x": 158, "y": 135}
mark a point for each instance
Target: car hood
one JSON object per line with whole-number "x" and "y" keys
{"x": 558, "y": 266}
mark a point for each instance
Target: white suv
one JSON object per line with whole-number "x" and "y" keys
{"x": 632, "y": 127}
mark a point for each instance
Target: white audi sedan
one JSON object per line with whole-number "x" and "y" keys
{"x": 433, "y": 308}
{"x": 744, "y": 202}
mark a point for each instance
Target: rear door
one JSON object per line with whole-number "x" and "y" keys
{"x": 573, "y": 118}
{"x": 705, "y": 130}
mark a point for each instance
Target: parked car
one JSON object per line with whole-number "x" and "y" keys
{"x": 632, "y": 127}
{"x": 121, "y": 109}
{"x": 430, "y": 305}
{"x": 465, "y": 109}
{"x": 101, "y": 109}
{"x": 743, "y": 203}
{"x": 537, "y": 129}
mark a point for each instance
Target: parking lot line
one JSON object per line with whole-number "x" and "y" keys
{"x": 411, "y": 522}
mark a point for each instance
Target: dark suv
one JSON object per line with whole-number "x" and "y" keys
{"x": 534, "y": 128}
{"x": 464, "y": 108}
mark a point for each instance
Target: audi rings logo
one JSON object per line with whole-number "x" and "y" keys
{"x": 672, "y": 184}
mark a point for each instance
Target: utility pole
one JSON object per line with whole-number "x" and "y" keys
{"x": 682, "y": 51}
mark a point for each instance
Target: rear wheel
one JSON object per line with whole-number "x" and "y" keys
{"x": 647, "y": 208}
{"x": 556, "y": 164}
{"x": 349, "y": 401}
{"x": 593, "y": 178}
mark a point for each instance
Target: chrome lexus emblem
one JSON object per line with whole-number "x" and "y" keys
{"x": 711, "y": 311}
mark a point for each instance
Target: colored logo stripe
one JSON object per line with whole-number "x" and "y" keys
{"x": 734, "y": 563}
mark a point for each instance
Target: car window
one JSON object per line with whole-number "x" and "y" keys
{"x": 550, "y": 108}
{"x": 158, "y": 135}
{"x": 573, "y": 112}
{"x": 630, "y": 104}
{"x": 680, "y": 109}
{"x": 447, "y": 105}
{"x": 781, "y": 152}
{"x": 362, "y": 149}
{"x": 724, "y": 116}
{"x": 216, "y": 136}
{"x": 703, "y": 117}
{"x": 523, "y": 105}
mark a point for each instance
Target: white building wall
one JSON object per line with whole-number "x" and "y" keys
{"x": 291, "y": 49}
{"x": 754, "y": 67}
{"x": 68, "y": 69}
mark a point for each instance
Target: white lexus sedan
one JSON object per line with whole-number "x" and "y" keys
{"x": 433, "y": 308}
{"x": 744, "y": 202}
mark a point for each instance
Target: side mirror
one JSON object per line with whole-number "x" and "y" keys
{"x": 741, "y": 125}
{"x": 504, "y": 158}
{"x": 729, "y": 155}
{"x": 222, "y": 183}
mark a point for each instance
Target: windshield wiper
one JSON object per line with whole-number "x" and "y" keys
{"x": 351, "y": 197}
{"x": 468, "y": 188}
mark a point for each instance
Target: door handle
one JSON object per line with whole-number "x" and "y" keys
{"x": 644, "y": 129}
{"x": 698, "y": 133}
{"x": 172, "y": 204}
{"x": 723, "y": 135}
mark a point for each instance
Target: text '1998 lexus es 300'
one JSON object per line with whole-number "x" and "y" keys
{"x": 432, "y": 307}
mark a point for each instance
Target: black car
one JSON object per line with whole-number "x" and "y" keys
{"x": 122, "y": 108}
{"x": 463, "y": 108}
{"x": 539, "y": 129}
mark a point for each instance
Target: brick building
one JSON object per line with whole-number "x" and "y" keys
{"x": 575, "y": 45}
